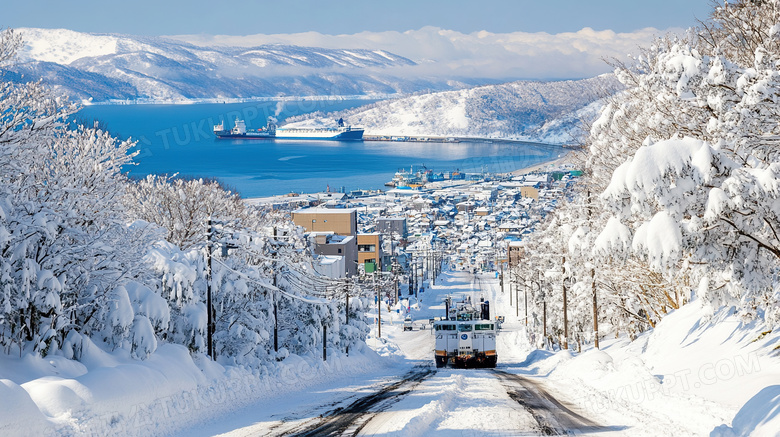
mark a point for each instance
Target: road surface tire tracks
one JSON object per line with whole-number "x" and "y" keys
{"x": 553, "y": 417}
{"x": 349, "y": 420}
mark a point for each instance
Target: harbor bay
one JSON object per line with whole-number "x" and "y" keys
{"x": 390, "y": 218}
{"x": 178, "y": 139}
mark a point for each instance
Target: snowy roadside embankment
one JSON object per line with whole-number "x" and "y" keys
{"x": 112, "y": 394}
{"x": 691, "y": 373}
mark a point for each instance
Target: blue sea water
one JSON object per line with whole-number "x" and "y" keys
{"x": 179, "y": 139}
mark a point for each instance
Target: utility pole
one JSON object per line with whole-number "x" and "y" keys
{"x": 411, "y": 273}
{"x": 502, "y": 277}
{"x": 432, "y": 265}
{"x": 426, "y": 269}
{"x": 276, "y": 314}
{"x": 346, "y": 310}
{"x": 209, "y": 305}
{"x": 428, "y": 263}
{"x": 324, "y": 342}
{"x": 595, "y": 309}
{"x": 593, "y": 289}
{"x": 525, "y": 290}
{"x": 395, "y": 280}
{"x": 346, "y": 314}
{"x": 511, "y": 282}
{"x": 565, "y": 308}
{"x": 434, "y": 268}
{"x": 517, "y": 298}
{"x": 378, "y": 309}
{"x": 416, "y": 282}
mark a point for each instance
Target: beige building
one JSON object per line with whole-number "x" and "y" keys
{"x": 531, "y": 192}
{"x": 342, "y": 221}
{"x": 370, "y": 251}
{"x": 482, "y": 211}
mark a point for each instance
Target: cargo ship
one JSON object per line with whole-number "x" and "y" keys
{"x": 270, "y": 132}
{"x": 239, "y": 131}
{"x": 339, "y": 133}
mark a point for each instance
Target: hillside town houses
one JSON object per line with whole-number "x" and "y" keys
{"x": 472, "y": 224}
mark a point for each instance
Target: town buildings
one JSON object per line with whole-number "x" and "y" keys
{"x": 470, "y": 224}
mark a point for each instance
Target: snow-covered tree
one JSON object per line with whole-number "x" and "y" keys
{"x": 183, "y": 206}
{"x": 65, "y": 244}
{"x": 689, "y": 164}
{"x": 87, "y": 253}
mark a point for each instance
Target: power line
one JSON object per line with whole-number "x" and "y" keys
{"x": 313, "y": 301}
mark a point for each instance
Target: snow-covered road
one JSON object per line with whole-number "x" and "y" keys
{"x": 608, "y": 392}
{"x": 411, "y": 397}
{"x": 425, "y": 401}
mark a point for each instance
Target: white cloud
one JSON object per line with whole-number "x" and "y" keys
{"x": 447, "y": 53}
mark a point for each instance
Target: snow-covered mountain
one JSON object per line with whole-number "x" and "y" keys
{"x": 105, "y": 67}
{"x": 550, "y": 112}
{"x": 111, "y": 66}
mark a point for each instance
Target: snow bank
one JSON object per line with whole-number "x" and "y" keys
{"x": 384, "y": 347}
{"x": 112, "y": 394}
{"x": 759, "y": 416}
{"x": 18, "y": 413}
{"x": 695, "y": 372}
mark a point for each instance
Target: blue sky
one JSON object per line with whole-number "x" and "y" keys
{"x": 242, "y": 17}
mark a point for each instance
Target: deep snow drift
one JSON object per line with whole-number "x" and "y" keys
{"x": 111, "y": 394}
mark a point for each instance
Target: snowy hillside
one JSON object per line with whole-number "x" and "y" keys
{"x": 110, "y": 66}
{"x": 550, "y": 112}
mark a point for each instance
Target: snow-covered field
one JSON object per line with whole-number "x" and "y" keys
{"x": 689, "y": 376}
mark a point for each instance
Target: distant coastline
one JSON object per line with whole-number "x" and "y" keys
{"x": 566, "y": 158}
{"x": 212, "y": 100}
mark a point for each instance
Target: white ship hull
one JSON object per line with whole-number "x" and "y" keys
{"x": 340, "y": 134}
